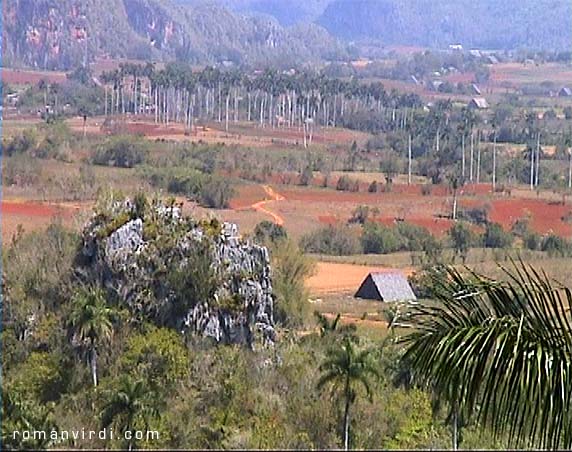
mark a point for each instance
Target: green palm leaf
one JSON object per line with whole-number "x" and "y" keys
{"x": 500, "y": 349}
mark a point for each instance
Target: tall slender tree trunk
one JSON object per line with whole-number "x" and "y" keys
{"x": 532, "y": 152}
{"x": 537, "y": 162}
{"x": 347, "y": 421}
{"x": 478, "y": 157}
{"x": 570, "y": 168}
{"x": 495, "y": 162}
{"x": 226, "y": 117}
{"x": 472, "y": 156}
{"x": 409, "y": 161}
{"x": 455, "y": 428}
{"x": 463, "y": 165}
{"x": 93, "y": 364}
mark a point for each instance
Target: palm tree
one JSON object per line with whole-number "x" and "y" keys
{"x": 132, "y": 406}
{"x": 91, "y": 322}
{"x": 455, "y": 182}
{"x": 502, "y": 349}
{"x": 327, "y": 327}
{"x": 346, "y": 369}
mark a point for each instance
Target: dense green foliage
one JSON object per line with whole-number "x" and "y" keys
{"x": 192, "y": 393}
{"x": 498, "y": 351}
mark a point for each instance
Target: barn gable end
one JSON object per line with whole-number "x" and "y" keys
{"x": 385, "y": 287}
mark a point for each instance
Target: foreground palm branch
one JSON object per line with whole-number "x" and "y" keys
{"x": 500, "y": 350}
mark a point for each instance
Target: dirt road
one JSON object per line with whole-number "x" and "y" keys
{"x": 260, "y": 206}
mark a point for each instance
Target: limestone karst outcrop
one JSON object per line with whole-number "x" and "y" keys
{"x": 200, "y": 277}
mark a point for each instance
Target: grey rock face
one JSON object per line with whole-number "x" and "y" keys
{"x": 126, "y": 262}
{"x": 125, "y": 241}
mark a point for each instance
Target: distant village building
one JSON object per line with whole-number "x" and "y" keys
{"x": 386, "y": 287}
{"x": 13, "y": 99}
{"x": 491, "y": 59}
{"x": 478, "y": 103}
{"x": 565, "y": 92}
{"x": 436, "y": 84}
{"x": 476, "y": 53}
{"x": 457, "y": 47}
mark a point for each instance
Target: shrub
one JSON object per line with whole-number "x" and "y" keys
{"x": 414, "y": 237}
{"x": 216, "y": 192}
{"x": 346, "y": 183}
{"x": 462, "y": 239}
{"x": 290, "y": 270}
{"x": 432, "y": 248}
{"x": 306, "y": 176}
{"x": 477, "y": 215}
{"x": 268, "y": 232}
{"x": 496, "y": 237}
{"x": 555, "y": 245}
{"x": 332, "y": 240}
{"x": 362, "y": 213}
{"x": 379, "y": 239}
{"x": 520, "y": 227}
{"x": 25, "y": 142}
{"x": 209, "y": 191}
{"x": 123, "y": 152}
{"x": 532, "y": 241}
{"x": 21, "y": 170}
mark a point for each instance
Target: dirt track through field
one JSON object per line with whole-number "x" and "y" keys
{"x": 260, "y": 206}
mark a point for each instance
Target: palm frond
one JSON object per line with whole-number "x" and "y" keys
{"x": 503, "y": 347}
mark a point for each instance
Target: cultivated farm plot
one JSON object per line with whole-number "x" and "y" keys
{"x": 32, "y": 216}
{"x": 304, "y": 209}
{"x": 243, "y": 134}
{"x": 23, "y": 77}
{"x": 519, "y": 73}
{"x": 330, "y": 277}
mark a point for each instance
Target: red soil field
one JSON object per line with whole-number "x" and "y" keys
{"x": 337, "y": 278}
{"x": 545, "y": 217}
{"x": 31, "y": 215}
{"x": 34, "y": 209}
{"x": 18, "y": 77}
{"x": 246, "y": 196}
{"x": 150, "y": 130}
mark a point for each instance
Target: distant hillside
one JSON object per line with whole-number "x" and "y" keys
{"x": 61, "y": 34}
{"x": 497, "y": 24}
{"x": 287, "y": 12}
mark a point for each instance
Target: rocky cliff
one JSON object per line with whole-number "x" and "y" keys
{"x": 62, "y": 34}
{"x": 199, "y": 277}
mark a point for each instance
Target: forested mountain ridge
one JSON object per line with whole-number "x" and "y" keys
{"x": 494, "y": 24}
{"x": 498, "y": 24}
{"x": 60, "y": 35}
